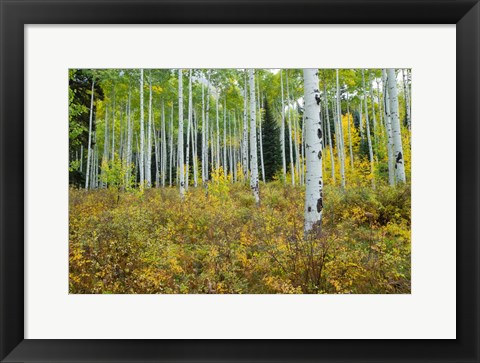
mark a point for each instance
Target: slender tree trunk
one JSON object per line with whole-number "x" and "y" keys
{"x": 282, "y": 132}
{"x": 89, "y": 137}
{"x": 148, "y": 163}
{"x": 396, "y": 131}
{"x": 340, "y": 134}
{"x": 253, "y": 139}
{"x": 207, "y": 128}
{"x": 113, "y": 125}
{"x": 105, "y": 145}
{"x": 129, "y": 141}
{"x": 204, "y": 179}
{"x": 142, "y": 136}
{"x": 290, "y": 134}
{"x": 225, "y": 166}
{"x": 194, "y": 149}
{"x": 181, "y": 171}
{"x": 374, "y": 118}
{"x": 164, "y": 146}
{"x": 170, "y": 164}
{"x": 245, "y": 133}
{"x": 407, "y": 98}
{"x": 313, "y": 141}
{"x": 217, "y": 137}
{"x": 260, "y": 130}
{"x": 349, "y": 135}
{"x": 329, "y": 134}
{"x": 367, "y": 122}
{"x": 388, "y": 127}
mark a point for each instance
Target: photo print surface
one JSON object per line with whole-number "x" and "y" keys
{"x": 240, "y": 181}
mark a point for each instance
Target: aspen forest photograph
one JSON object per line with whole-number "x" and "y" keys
{"x": 239, "y": 181}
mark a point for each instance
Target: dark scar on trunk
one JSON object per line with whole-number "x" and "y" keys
{"x": 319, "y": 205}
{"x": 320, "y": 154}
{"x": 319, "y": 133}
{"x": 399, "y": 158}
{"x": 309, "y": 209}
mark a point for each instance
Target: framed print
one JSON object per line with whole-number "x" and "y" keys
{"x": 197, "y": 181}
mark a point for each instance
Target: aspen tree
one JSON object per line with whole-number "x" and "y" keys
{"x": 313, "y": 147}
{"x": 396, "y": 131}
{"x": 253, "y": 139}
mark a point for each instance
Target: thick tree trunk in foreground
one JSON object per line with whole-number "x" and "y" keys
{"x": 253, "y": 139}
{"x": 396, "y": 133}
{"x": 313, "y": 150}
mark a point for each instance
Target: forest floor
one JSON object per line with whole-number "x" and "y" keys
{"x": 151, "y": 242}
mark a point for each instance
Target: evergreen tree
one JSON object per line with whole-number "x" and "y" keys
{"x": 271, "y": 144}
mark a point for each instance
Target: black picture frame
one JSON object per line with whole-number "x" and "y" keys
{"x": 15, "y": 14}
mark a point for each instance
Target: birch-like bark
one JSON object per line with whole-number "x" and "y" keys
{"x": 164, "y": 147}
{"x": 225, "y": 165}
{"x": 388, "y": 127}
{"x": 329, "y": 133}
{"x": 313, "y": 149}
{"x": 374, "y": 118}
{"x": 105, "y": 145}
{"x": 142, "y": 136}
{"x": 148, "y": 156}
{"x": 194, "y": 148}
{"x": 189, "y": 125}
{"x": 260, "y": 130}
{"x": 170, "y": 164}
{"x": 407, "y": 98}
{"x": 181, "y": 171}
{"x": 349, "y": 134}
{"x": 203, "y": 134}
{"x": 129, "y": 141}
{"x": 290, "y": 134}
{"x": 396, "y": 131}
{"x": 89, "y": 137}
{"x": 340, "y": 134}
{"x": 367, "y": 122}
{"x": 245, "y": 133}
{"x": 113, "y": 125}
{"x": 282, "y": 132}
{"x": 217, "y": 137}
{"x": 207, "y": 128}
{"x": 253, "y": 139}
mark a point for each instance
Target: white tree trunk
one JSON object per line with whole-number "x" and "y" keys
{"x": 388, "y": 127}
{"x": 204, "y": 179}
{"x": 349, "y": 135}
{"x": 164, "y": 147}
{"x": 313, "y": 150}
{"x": 225, "y": 165}
{"x": 406, "y": 93}
{"x": 129, "y": 140}
{"x": 253, "y": 139}
{"x": 170, "y": 164}
{"x": 142, "y": 136}
{"x": 89, "y": 138}
{"x": 260, "y": 130}
{"x": 245, "y": 133}
{"x": 217, "y": 138}
{"x": 148, "y": 161}
{"x": 367, "y": 122}
{"x": 189, "y": 125}
{"x": 329, "y": 133}
{"x": 282, "y": 132}
{"x": 396, "y": 132}
{"x": 180, "y": 168}
{"x": 291, "y": 134}
{"x": 340, "y": 134}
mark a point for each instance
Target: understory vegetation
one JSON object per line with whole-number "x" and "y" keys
{"x": 218, "y": 241}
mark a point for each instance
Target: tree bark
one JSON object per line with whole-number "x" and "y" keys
{"x": 396, "y": 131}
{"x": 89, "y": 137}
{"x": 313, "y": 147}
{"x": 181, "y": 171}
{"x": 253, "y": 139}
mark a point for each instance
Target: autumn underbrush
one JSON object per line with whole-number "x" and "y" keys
{"x": 218, "y": 241}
